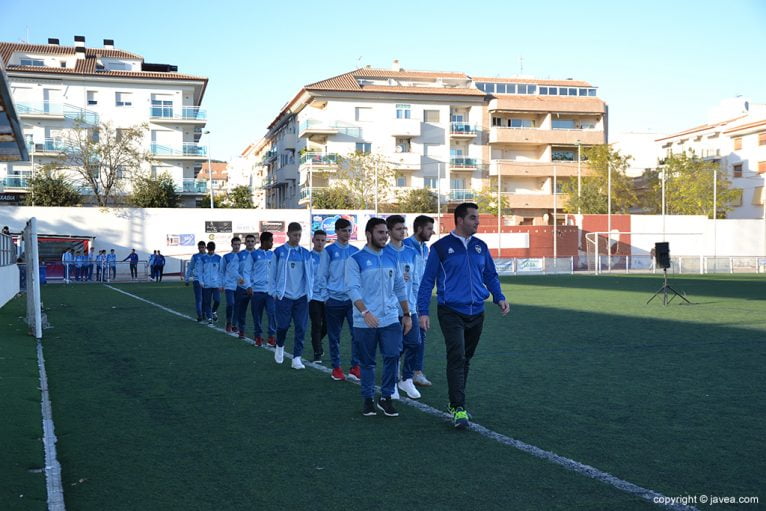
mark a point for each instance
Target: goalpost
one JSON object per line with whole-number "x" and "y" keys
{"x": 32, "y": 269}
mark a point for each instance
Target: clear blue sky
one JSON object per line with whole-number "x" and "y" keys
{"x": 660, "y": 65}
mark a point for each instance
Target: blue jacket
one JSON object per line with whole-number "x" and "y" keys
{"x": 409, "y": 265}
{"x": 81, "y": 261}
{"x": 210, "y": 271}
{"x": 319, "y": 293}
{"x": 332, "y": 271}
{"x": 279, "y": 269}
{"x": 132, "y": 257}
{"x": 376, "y": 279}
{"x": 231, "y": 271}
{"x": 421, "y": 249}
{"x": 193, "y": 268}
{"x": 464, "y": 278}
{"x": 259, "y": 274}
{"x": 111, "y": 260}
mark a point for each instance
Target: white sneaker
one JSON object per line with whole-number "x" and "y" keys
{"x": 420, "y": 379}
{"x": 297, "y": 364}
{"x": 409, "y": 388}
{"x": 279, "y": 354}
{"x": 395, "y": 395}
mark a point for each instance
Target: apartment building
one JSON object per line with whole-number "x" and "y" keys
{"x": 56, "y": 86}
{"x": 446, "y": 131}
{"x": 735, "y": 137}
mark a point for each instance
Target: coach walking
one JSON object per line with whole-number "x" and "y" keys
{"x": 465, "y": 274}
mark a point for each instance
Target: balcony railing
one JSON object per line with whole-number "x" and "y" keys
{"x": 270, "y": 155}
{"x": 462, "y": 128}
{"x": 189, "y": 185}
{"x": 328, "y": 128}
{"x": 307, "y": 191}
{"x": 187, "y": 149}
{"x": 185, "y": 113}
{"x": 458, "y": 195}
{"x": 463, "y": 163}
{"x": 319, "y": 159}
{"x": 48, "y": 108}
{"x": 15, "y": 182}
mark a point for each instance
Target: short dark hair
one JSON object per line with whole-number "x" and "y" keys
{"x": 266, "y": 235}
{"x": 235, "y": 238}
{"x": 211, "y": 245}
{"x": 342, "y": 223}
{"x": 294, "y": 226}
{"x": 392, "y": 220}
{"x": 372, "y": 223}
{"x": 250, "y": 236}
{"x": 421, "y": 221}
{"x": 320, "y": 232}
{"x": 462, "y": 210}
{"x": 200, "y": 244}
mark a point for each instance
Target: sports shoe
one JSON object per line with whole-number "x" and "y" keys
{"x": 387, "y": 407}
{"x": 297, "y": 363}
{"x": 234, "y": 329}
{"x": 215, "y": 316}
{"x": 420, "y": 380}
{"x": 409, "y": 388}
{"x": 199, "y": 319}
{"x": 241, "y": 335}
{"x": 355, "y": 374}
{"x": 259, "y": 341}
{"x": 272, "y": 341}
{"x": 279, "y": 354}
{"x": 460, "y": 418}
{"x": 317, "y": 359}
{"x": 337, "y": 374}
{"x": 210, "y": 322}
{"x": 368, "y": 408}
{"x": 452, "y": 409}
{"x": 228, "y": 328}
{"x": 395, "y": 394}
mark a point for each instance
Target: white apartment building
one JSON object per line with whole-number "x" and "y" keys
{"x": 445, "y": 131}
{"x": 737, "y": 140}
{"x": 54, "y": 86}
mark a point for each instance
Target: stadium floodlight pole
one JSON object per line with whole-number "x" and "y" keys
{"x": 209, "y": 170}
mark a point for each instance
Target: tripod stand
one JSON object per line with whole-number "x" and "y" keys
{"x": 665, "y": 290}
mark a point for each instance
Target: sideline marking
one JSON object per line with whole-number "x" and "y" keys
{"x": 52, "y": 467}
{"x": 651, "y": 496}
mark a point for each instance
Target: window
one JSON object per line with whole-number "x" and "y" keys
{"x": 553, "y": 91}
{"x": 758, "y": 196}
{"x": 560, "y": 155}
{"x": 737, "y": 199}
{"x": 429, "y": 182}
{"x": 363, "y": 147}
{"x": 531, "y": 89}
{"x": 573, "y": 92}
{"x": 563, "y": 124}
{"x": 122, "y": 99}
{"x": 497, "y": 121}
{"x": 563, "y": 91}
{"x": 543, "y": 91}
{"x": 401, "y": 181}
{"x": 500, "y": 88}
{"x": 521, "y": 88}
{"x": 403, "y": 112}
{"x": 32, "y": 62}
{"x": 737, "y": 170}
{"x": 489, "y": 87}
{"x": 761, "y": 167}
{"x": 737, "y": 143}
{"x": 162, "y": 107}
{"x": 481, "y": 86}
{"x": 761, "y": 138}
{"x": 403, "y": 145}
{"x": 92, "y": 97}
{"x": 582, "y": 92}
{"x": 430, "y": 116}
{"x": 521, "y": 123}
{"x": 510, "y": 88}
{"x": 119, "y": 134}
{"x": 591, "y": 92}
{"x": 458, "y": 184}
{"x": 363, "y": 114}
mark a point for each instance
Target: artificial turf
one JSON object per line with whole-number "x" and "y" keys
{"x": 156, "y": 412}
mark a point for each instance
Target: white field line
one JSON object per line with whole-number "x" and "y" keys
{"x": 569, "y": 464}
{"x": 53, "y": 483}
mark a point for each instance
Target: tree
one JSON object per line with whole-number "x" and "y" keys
{"x": 154, "y": 192}
{"x": 104, "y": 155}
{"x": 594, "y": 196}
{"x": 689, "y": 187}
{"x": 50, "y": 187}
{"x": 335, "y": 197}
{"x": 240, "y": 197}
{"x": 486, "y": 199}
{"x": 364, "y": 174}
{"x": 421, "y": 200}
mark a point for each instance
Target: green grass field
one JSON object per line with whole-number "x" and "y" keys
{"x": 153, "y": 411}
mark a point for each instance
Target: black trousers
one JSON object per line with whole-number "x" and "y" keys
{"x": 461, "y": 337}
{"x": 318, "y": 326}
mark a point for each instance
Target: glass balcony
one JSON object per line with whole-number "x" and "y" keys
{"x": 316, "y": 127}
{"x": 319, "y": 158}
{"x": 81, "y": 115}
{"x": 462, "y": 129}
{"x": 463, "y": 163}
{"x": 187, "y": 149}
{"x": 190, "y": 185}
{"x": 50, "y": 145}
{"x": 15, "y": 182}
{"x": 185, "y": 113}
{"x": 461, "y": 195}
{"x": 307, "y": 191}
{"x": 37, "y": 108}
{"x": 270, "y": 155}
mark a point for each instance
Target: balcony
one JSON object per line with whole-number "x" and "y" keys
{"x": 536, "y": 169}
{"x": 192, "y": 186}
{"x": 539, "y": 136}
{"x": 269, "y": 156}
{"x": 460, "y": 164}
{"x": 50, "y": 146}
{"x": 306, "y": 192}
{"x": 405, "y": 161}
{"x": 320, "y": 162}
{"x": 533, "y": 200}
{"x": 185, "y": 114}
{"x": 58, "y": 111}
{"x": 462, "y": 130}
{"x": 188, "y": 151}
{"x": 315, "y": 128}
{"x": 458, "y": 195}
{"x": 15, "y": 182}
{"x": 405, "y": 128}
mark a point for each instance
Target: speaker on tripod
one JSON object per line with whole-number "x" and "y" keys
{"x": 662, "y": 260}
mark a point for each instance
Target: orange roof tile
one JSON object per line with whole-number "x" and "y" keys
{"x": 701, "y": 127}
{"x": 743, "y": 127}
{"x": 549, "y": 104}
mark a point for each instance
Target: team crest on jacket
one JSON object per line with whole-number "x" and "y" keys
{"x": 369, "y": 263}
{"x": 390, "y": 273}
{"x": 478, "y": 249}
{"x": 292, "y": 265}
{"x": 450, "y": 251}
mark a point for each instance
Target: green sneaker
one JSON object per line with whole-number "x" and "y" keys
{"x": 460, "y": 418}
{"x": 452, "y": 409}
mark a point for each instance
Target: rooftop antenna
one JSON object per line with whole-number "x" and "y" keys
{"x": 359, "y": 62}
{"x": 521, "y": 65}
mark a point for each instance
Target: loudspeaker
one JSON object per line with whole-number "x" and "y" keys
{"x": 662, "y": 254}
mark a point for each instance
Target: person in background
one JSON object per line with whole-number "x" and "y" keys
{"x": 160, "y": 262}
{"x": 152, "y": 267}
{"x": 316, "y": 305}
{"x": 232, "y": 278}
{"x": 91, "y": 262}
{"x": 111, "y": 262}
{"x": 267, "y": 243}
{"x": 67, "y": 260}
{"x": 101, "y": 266}
{"x": 211, "y": 282}
{"x": 6, "y": 230}
{"x": 192, "y": 274}
{"x": 133, "y": 258}
{"x": 80, "y": 266}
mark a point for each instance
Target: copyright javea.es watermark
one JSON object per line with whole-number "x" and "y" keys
{"x": 705, "y": 500}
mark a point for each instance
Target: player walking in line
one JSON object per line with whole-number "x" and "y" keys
{"x": 210, "y": 278}
{"x": 261, "y": 294}
{"x": 267, "y": 243}
{"x": 408, "y": 261}
{"x": 464, "y": 273}
{"x": 245, "y": 291}
{"x": 232, "y": 278}
{"x": 316, "y": 305}
{"x": 424, "y": 229}
{"x": 375, "y": 284}
{"x": 192, "y": 273}
{"x": 291, "y": 282}
{"x": 338, "y": 306}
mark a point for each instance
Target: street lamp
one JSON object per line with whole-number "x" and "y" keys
{"x": 609, "y": 217}
{"x": 579, "y": 175}
{"x": 209, "y": 170}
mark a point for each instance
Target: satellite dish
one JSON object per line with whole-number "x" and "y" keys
{"x": 399, "y": 149}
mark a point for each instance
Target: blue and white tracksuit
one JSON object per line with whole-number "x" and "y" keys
{"x": 242, "y": 299}
{"x": 422, "y": 249}
{"x": 291, "y": 280}
{"x": 409, "y": 265}
{"x": 331, "y": 277}
{"x": 232, "y": 277}
{"x": 111, "y": 262}
{"x": 261, "y": 299}
{"x": 192, "y": 273}
{"x": 376, "y": 279}
{"x": 209, "y": 275}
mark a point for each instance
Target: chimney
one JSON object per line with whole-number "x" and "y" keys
{"x": 80, "y": 52}
{"x": 79, "y": 41}
{"x": 109, "y": 44}
{"x": 395, "y": 66}
{"x": 53, "y": 41}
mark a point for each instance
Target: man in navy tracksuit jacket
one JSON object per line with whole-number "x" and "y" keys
{"x": 465, "y": 274}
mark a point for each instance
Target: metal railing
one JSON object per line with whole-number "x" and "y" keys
{"x": 57, "y": 109}
{"x": 307, "y": 191}
{"x": 50, "y": 145}
{"x": 693, "y": 264}
{"x": 189, "y": 185}
{"x": 185, "y": 113}
{"x": 461, "y": 195}
{"x": 466, "y": 163}
{"x": 187, "y": 149}
{"x": 462, "y": 128}
{"x": 7, "y": 250}
{"x": 319, "y": 158}
{"x": 15, "y": 182}
{"x": 315, "y": 124}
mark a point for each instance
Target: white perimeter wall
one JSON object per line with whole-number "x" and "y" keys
{"x": 9, "y": 282}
